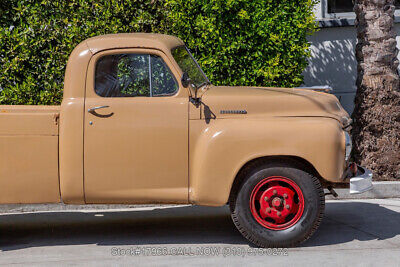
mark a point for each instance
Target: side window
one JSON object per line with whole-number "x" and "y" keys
{"x": 122, "y": 75}
{"x": 162, "y": 81}
{"x": 128, "y": 75}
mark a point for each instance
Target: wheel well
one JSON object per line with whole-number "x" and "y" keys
{"x": 294, "y": 160}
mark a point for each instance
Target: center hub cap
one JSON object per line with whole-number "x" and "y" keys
{"x": 276, "y": 202}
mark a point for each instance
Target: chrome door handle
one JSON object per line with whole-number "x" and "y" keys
{"x": 90, "y": 110}
{"x": 93, "y": 112}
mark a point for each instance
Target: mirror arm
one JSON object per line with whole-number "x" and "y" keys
{"x": 195, "y": 100}
{"x": 185, "y": 80}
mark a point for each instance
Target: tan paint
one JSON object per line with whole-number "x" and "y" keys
{"x": 162, "y": 149}
{"x": 133, "y": 40}
{"x": 73, "y": 108}
{"x": 143, "y": 156}
{"x": 279, "y": 122}
{"x": 71, "y": 126}
{"x": 266, "y": 101}
{"x": 29, "y": 120}
{"x": 220, "y": 148}
{"x": 28, "y": 154}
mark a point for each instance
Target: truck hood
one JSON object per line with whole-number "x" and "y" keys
{"x": 241, "y": 101}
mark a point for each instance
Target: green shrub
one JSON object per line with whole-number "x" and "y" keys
{"x": 258, "y": 42}
{"x": 241, "y": 42}
{"x": 37, "y": 37}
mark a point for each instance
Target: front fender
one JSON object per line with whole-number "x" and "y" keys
{"x": 218, "y": 150}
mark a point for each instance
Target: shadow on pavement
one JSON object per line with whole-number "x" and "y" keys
{"x": 348, "y": 221}
{"x": 188, "y": 225}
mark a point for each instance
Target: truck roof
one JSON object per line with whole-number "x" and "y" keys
{"x": 80, "y": 56}
{"x": 124, "y": 40}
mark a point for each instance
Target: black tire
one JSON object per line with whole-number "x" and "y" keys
{"x": 255, "y": 232}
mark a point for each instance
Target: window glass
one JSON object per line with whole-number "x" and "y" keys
{"x": 122, "y": 75}
{"x": 162, "y": 81}
{"x": 342, "y": 6}
{"x": 189, "y": 65}
{"x": 128, "y": 75}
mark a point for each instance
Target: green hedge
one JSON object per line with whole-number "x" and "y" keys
{"x": 258, "y": 42}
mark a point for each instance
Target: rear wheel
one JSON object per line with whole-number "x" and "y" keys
{"x": 277, "y": 204}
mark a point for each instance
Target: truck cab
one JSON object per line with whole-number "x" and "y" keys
{"x": 133, "y": 111}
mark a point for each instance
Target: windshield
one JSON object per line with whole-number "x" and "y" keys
{"x": 189, "y": 65}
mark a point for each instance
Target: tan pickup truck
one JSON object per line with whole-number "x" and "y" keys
{"x": 141, "y": 123}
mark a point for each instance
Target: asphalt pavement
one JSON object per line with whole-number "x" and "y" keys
{"x": 353, "y": 233}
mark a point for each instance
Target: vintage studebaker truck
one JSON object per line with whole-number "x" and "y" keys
{"x": 141, "y": 123}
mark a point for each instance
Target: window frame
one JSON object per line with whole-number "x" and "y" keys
{"x": 149, "y": 53}
{"x": 321, "y": 12}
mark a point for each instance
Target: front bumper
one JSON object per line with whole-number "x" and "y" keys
{"x": 361, "y": 181}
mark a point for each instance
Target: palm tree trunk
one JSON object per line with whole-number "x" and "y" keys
{"x": 376, "y": 127}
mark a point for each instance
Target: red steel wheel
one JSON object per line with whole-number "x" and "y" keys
{"x": 277, "y": 203}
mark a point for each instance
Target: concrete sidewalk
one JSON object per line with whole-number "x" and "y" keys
{"x": 383, "y": 189}
{"x": 353, "y": 232}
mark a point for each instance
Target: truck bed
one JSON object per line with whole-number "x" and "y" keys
{"x": 29, "y": 154}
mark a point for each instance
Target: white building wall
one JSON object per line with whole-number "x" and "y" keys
{"x": 333, "y": 62}
{"x": 332, "y": 59}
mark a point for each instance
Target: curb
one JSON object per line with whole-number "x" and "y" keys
{"x": 384, "y": 189}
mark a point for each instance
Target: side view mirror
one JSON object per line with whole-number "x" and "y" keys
{"x": 185, "y": 80}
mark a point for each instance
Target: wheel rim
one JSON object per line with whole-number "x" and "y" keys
{"x": 277, "y": 203}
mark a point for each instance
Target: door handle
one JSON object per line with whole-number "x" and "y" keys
{"x": 90, "y": 110}
{"x": 93, "y": 111}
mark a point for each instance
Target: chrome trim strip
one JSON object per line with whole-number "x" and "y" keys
{"x": 233, "y": 111}
{"x": 150, "y": 74}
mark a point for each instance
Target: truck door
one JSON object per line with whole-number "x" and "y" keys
{"x": 136, "y": 129}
